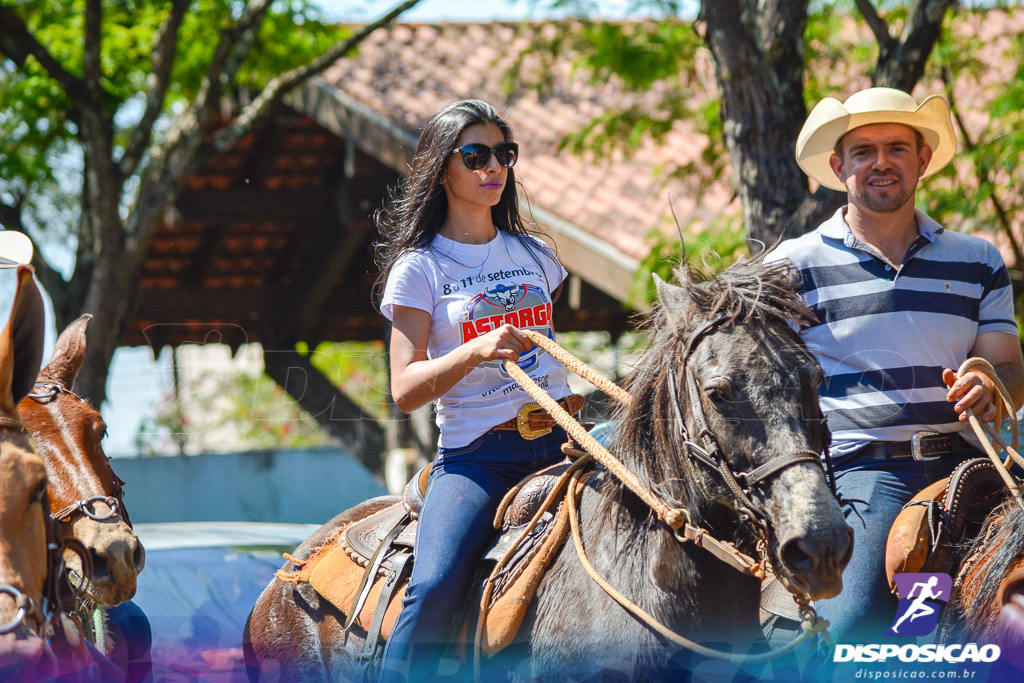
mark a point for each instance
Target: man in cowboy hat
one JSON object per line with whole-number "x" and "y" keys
{"x": 901, "y": 303}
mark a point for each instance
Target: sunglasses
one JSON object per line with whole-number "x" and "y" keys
{"x": 476, "y": 155}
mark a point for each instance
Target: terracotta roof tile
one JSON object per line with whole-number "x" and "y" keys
{"x": 412, "y": 70}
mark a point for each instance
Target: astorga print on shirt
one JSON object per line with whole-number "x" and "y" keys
{"x": 470, "y": 290}
{"x": 514, "y": 303}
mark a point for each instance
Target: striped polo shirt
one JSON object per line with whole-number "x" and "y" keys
{"x": 885, "y": 334}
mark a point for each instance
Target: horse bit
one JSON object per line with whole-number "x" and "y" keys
{"x": 115, "y": 503}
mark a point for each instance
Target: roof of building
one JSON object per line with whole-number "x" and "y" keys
{"x": 272, "y": 239}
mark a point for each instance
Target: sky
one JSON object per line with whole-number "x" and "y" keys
{"x": 460, "y": 10}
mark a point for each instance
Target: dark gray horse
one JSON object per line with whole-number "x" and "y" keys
{"x": 727, "y": 343}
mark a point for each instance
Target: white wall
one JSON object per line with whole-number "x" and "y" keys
{"x": 307, "y": 486}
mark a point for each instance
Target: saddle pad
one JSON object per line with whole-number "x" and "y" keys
{"x": 515, "y": 588}
{"x": 335, "y": 570}
{"x": 335, "y": 576}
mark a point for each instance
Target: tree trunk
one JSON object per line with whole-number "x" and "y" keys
{"x": 760, "y": 112}
{"x": 359, "y": 434}
{"x": 901, "y": 62}
{"x": 110, "y": 296}
{"x": 758, "y": 51}
{"x": 111, "y": 251}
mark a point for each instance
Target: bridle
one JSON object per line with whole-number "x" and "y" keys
{"x": 709, "y": 451}
{"x": 114, "y": 502}
{"x": 39, "y": 618}
{"x": 585, "y": 448}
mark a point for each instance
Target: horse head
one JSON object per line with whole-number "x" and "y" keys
{"x": 24, "y": 545}
{"x": 737, "y": 434}
{"x": 82, "y": 486}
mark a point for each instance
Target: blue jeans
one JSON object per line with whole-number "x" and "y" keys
{"x": 866, "y": 607}
{"x": 132, "y": 639}
{"x": 466, "y": 485}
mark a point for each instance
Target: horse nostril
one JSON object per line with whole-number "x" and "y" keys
{"x": 849, "y": 549}
{"x": 139, "y": 558}
{"x": 796, "y": 558}
{"x": 100, "y": 568}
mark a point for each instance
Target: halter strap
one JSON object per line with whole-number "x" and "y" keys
{"x": 115, "y": 502}
{"x": 709, "y": 451}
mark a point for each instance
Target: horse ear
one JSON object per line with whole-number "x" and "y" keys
{"x": 21, "y": 343}
{"x": 68, "y": 354}
{"x": 665, "y": 290}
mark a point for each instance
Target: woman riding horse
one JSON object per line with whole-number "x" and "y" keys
{"x": 724, "y": 365}
{"x": 462, "y": 274}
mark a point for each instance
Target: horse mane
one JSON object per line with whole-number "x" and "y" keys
{"x": 648, "y": 439}
{"x": 999, "y": 545}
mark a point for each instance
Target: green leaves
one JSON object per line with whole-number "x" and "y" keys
{"x": 710, "y": 248}
{"x": 38, "y": 138}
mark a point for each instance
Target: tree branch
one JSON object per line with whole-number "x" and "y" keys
{"x": 875, "y": 22}
{"x": 901, "y": 64}
{"x": 279, "y": 86}
{"x": 983, "y": 177}
{"x": 183, "y": 150}
{"x": 54, "y": 284}
{"x": 18, "y": 43}
{"x": 781, "y": 27}
{"x": 209, "y": 92}
{"x": 93, "y": 70}
{"x": 164, "y": 49}
{"x": 10, "y": 215}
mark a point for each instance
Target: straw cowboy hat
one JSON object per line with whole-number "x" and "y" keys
{"x": 15, "y": 249}
{"x": 832, "y": 119}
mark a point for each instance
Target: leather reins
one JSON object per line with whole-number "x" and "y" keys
{"x": 39, "y": 618}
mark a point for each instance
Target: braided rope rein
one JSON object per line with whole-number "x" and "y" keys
{"x": 988, "y": 435}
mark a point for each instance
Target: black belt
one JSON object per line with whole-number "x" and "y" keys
{"x": 923, "y": 446}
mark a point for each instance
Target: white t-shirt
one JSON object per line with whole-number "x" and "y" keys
{"x": 470, "y": 289}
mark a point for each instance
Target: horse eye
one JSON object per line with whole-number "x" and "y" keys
{"x": 719, "y": 392}
{"x": 37, "y": 493}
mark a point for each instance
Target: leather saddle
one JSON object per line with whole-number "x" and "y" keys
{"x": 928, "y": 533}
{"x": 382, "y": 545}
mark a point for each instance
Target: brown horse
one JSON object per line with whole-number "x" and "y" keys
{"x": 31, "y": 621}
{"x": 989, "y": 595}
{"x": 724, "y": 366}
{"x": 84, "y": 491}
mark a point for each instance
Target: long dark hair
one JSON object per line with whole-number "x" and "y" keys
{"x": 415, "y": 212}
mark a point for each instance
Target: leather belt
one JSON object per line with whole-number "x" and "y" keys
{"x": 923, "y": 446}
{"x": 533, "y": 422}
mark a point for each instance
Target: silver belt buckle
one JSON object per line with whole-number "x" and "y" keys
{"x": 916, "y": 447}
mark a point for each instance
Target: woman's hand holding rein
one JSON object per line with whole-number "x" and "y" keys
{"x": 501, "y": 343}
